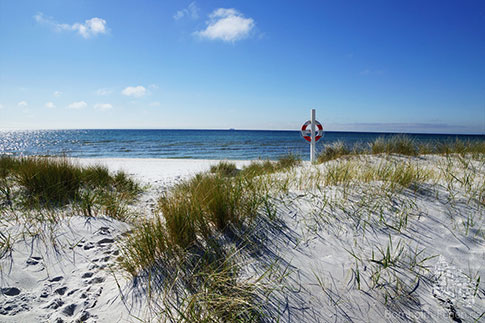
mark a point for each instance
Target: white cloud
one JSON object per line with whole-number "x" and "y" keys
{"x": 103, "y": 106}
{"x": 77, "y": 105}
{"x": 22, "y": 104}
{"x": 191, "y": 11}
{"x": 57, "y": 94}
{"x": 103, "y": 92}
{"x": 50, "y": 105}
{"x": 90, "y": 27}
{"x": 155, "y": 104}
{"x": 228, "y": 25}
{"x": 134, "y": 91}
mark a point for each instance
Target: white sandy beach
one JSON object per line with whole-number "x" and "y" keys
{"x": 158, "y": 172}
{"x": 76, "y": 278}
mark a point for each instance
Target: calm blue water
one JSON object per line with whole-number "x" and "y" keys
{"x": 199, "y": 144}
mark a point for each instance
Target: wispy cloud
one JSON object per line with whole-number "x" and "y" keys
{"x": 1, "y": 106}
{"x": 103, "y": 92}
{"x": 50, "y": 105}
{"x": 191, "y": 11}
{"x": 134, "y": 91}
{"x": 57, "y": 94}
{"x": 90, "y": 27}
{"x": 103, "y": 106}
{"x": 228, "y": 25}
{"x": 155, "y": 104}
{"x": 77, "y": 105}
{"x": 22, "y": 104}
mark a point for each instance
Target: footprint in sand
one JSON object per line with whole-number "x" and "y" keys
{"x": 55, "y": 304}
{"x": 96, "y": 280}
{"x": 15, "y": 306}
{"x": 10, "y": 291}
{"x": 44, "y": 294}
{"x": 32, "y": 261}
{"x": 72, "y": 292}
{"x": 104, "y": 231}
{"x": 105, "y": 241}
{"x": 93, "y": 267}
{"x": 87, "y": 275}
{"x": 88, "y": 246}
{"x": 84, "y": 316}
{"x": 69, "y": 309}
{"x": 61, "y": 291}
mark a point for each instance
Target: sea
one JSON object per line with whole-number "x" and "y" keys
{"x": 196, "y": 144}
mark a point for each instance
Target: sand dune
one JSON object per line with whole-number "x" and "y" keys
{"x": 349, "y": 255}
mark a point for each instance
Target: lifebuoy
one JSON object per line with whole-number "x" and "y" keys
{"x": 307, "y": 133}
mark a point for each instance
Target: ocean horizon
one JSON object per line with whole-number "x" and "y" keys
{"x": 188, "y": 143}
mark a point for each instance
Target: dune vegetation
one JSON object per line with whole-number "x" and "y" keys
{"x": 39, "y": 190}
{"x": 370, "y": 233}
{"x": 402, "y": 145}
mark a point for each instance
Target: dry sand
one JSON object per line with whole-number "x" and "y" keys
{"x": 73, "y": 280}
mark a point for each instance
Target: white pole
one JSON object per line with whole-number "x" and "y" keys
{"x": 312, "y": 143}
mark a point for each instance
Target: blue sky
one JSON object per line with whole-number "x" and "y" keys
{"x": 404, "y": 66}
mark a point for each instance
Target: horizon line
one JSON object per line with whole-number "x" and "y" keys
{"x": 246, "y": 129}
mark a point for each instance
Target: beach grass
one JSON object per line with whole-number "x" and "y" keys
{"x": 6, "y": 244}
{"x": 192, "y": 254}
{"x": 38, "y": 183}
{"x": 147, "y": 243}
{"x": 333, "y": 151}
{"x": 393, "y": 175}
{"x": 402, "y": 145}
{"x": 399, "y": 144}
{"x": 225, "y": 168}
{"x": 196, "y": 210}
{"x": 266, "y": 167}
{"x": 200, "y": 219}
{"x": 48, "y": 182}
